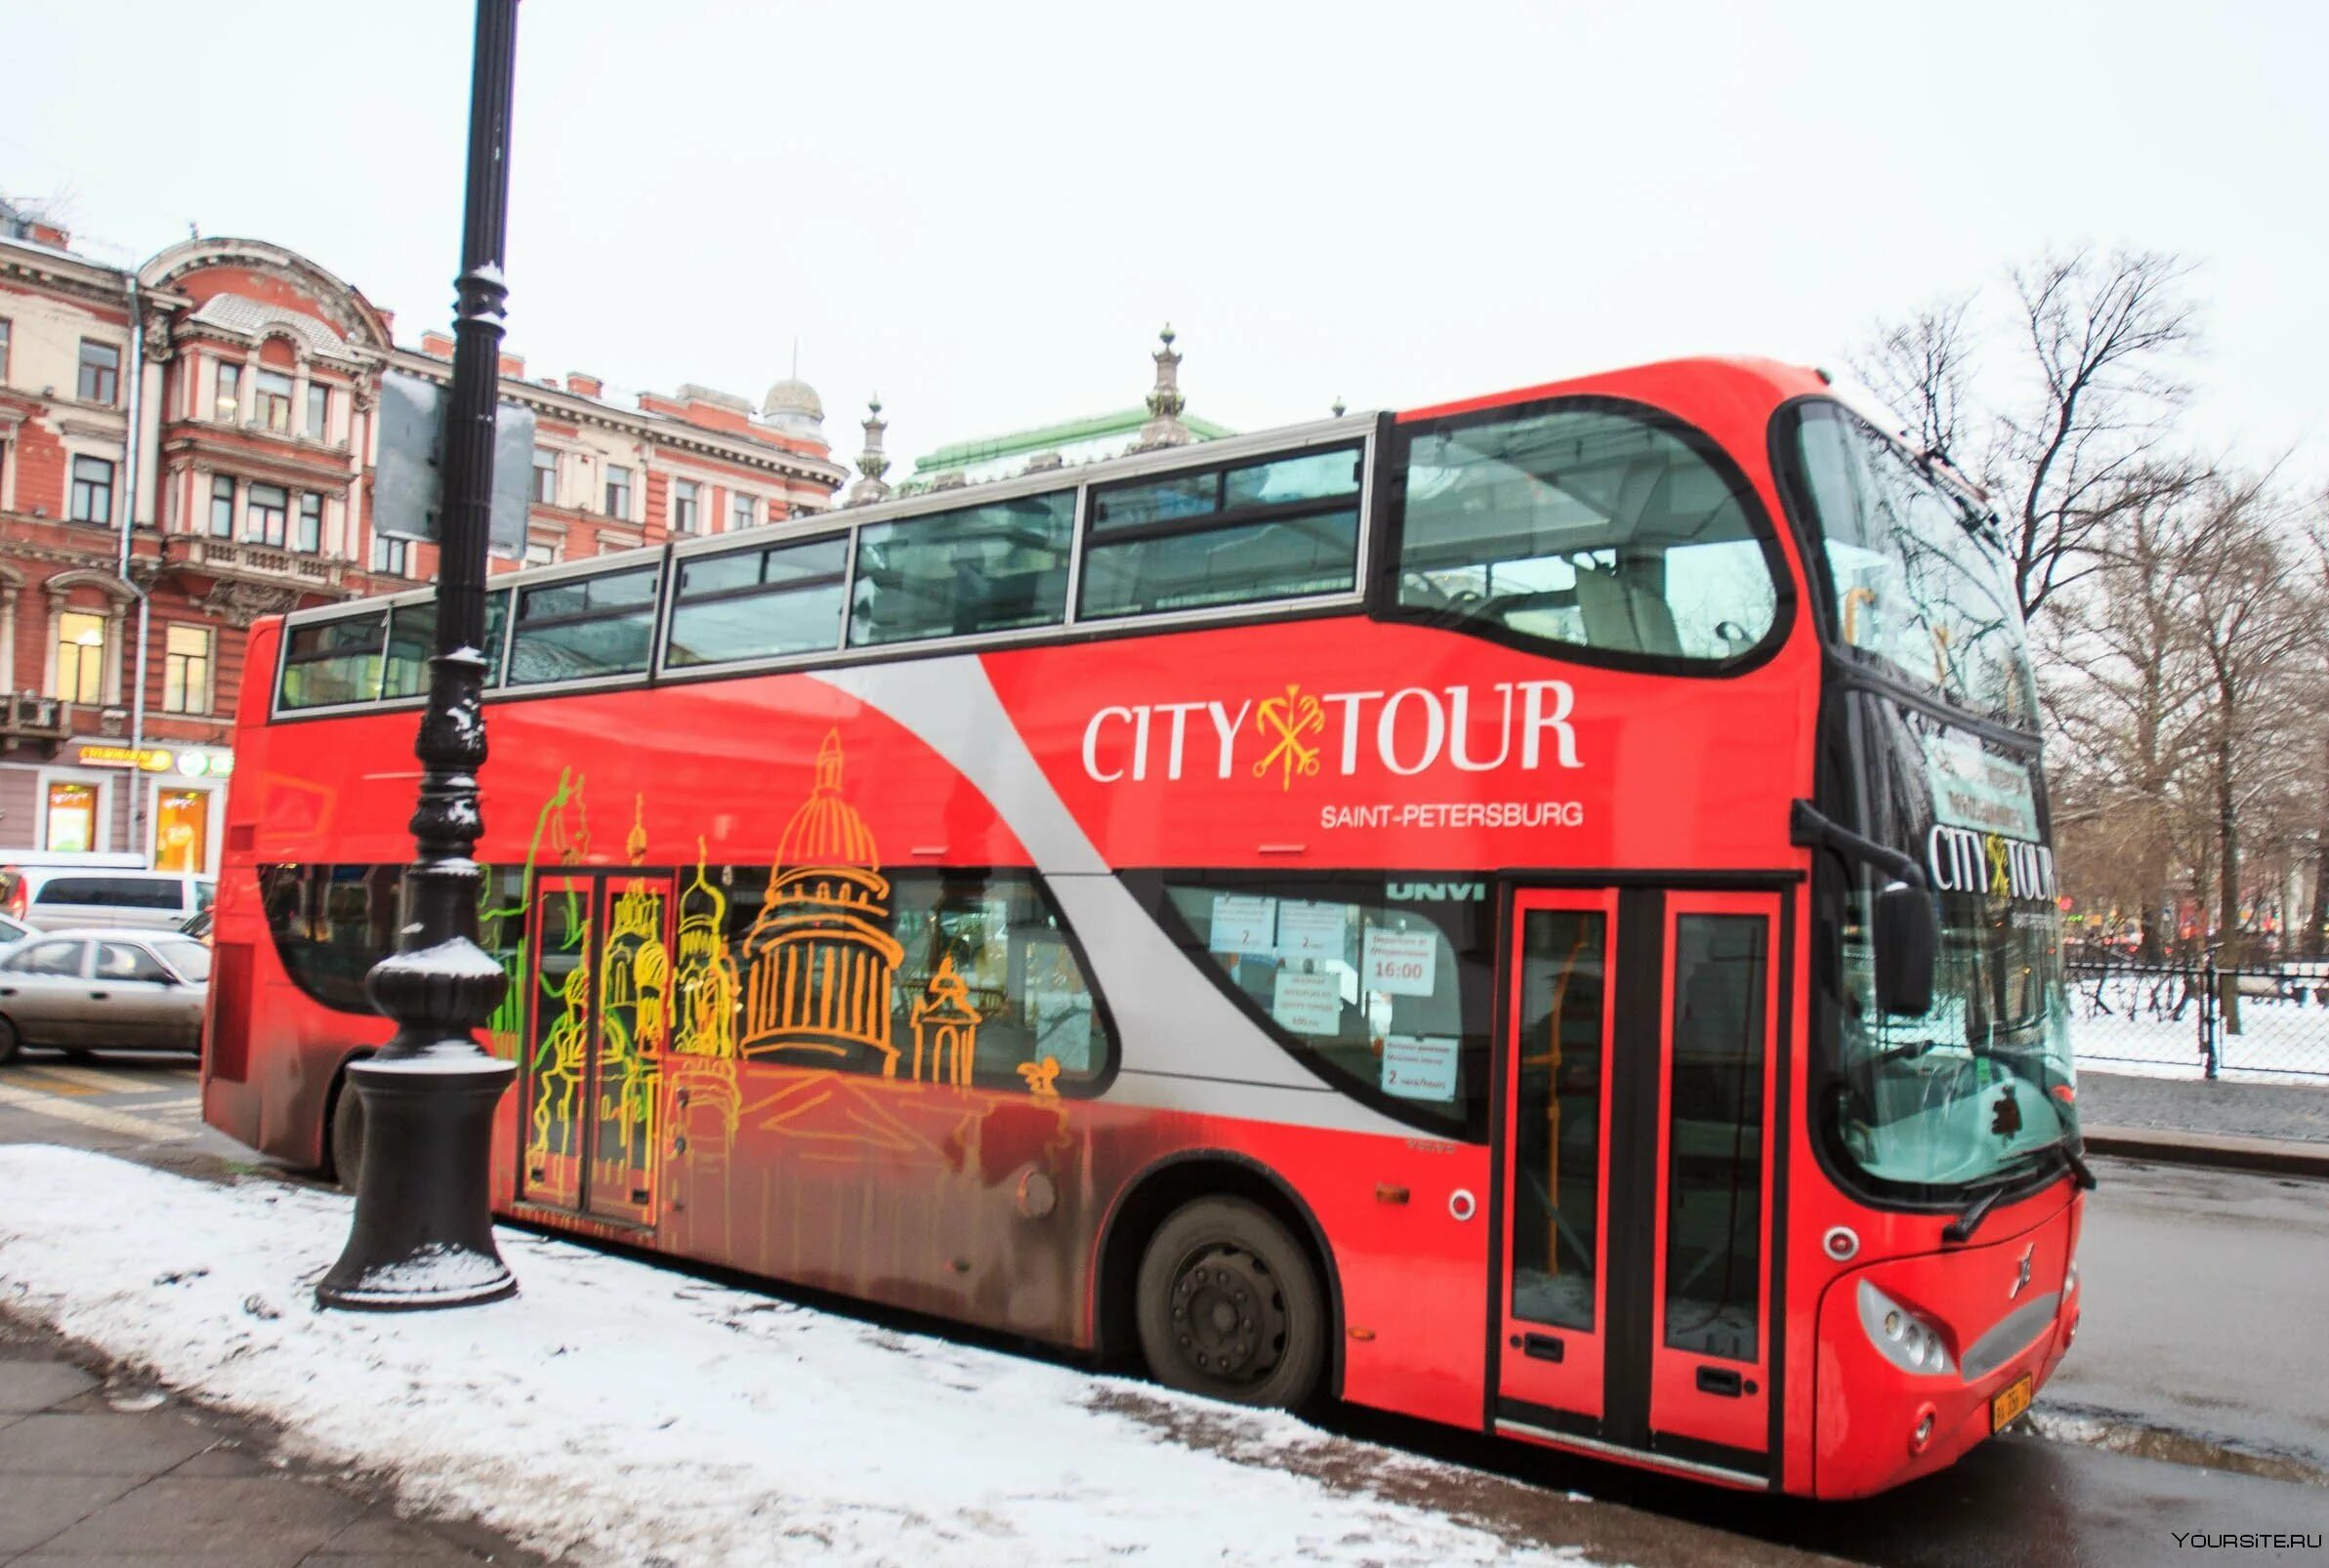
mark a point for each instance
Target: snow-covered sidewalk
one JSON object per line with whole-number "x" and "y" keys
{"x": 625, "y": 1413}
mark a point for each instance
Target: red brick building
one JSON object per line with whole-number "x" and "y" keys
{"x": 189, "y": 445}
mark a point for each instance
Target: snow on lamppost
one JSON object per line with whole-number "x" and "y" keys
{"x": 423, "y": 1232}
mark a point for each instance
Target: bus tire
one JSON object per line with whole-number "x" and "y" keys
{"x": 347, "y": 1135}
{"x": 1228, "y": 1307}
{"x": 10, "y": 1042}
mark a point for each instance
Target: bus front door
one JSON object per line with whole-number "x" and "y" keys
{"x": 1638, "y": 1081}
{"x": 597, "y": 1030}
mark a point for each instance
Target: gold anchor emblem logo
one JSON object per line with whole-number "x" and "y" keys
{"x": 1283, "y": 722}
{"x": 2001, "y": 872}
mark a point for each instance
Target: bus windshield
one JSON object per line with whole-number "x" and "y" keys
{"x": 1980, "y": 1085}
{"x": 1915, "y": 583}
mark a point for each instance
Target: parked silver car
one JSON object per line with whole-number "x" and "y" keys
{"x": 98, "y": 989}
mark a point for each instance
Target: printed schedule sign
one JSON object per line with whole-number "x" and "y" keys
{"x": 1400, "y": 963}
{"x": 1311, "y": 930}
{"x": 1306, "y": 1003}
{"x": 1242, "y": 924}
{"x": 1420, "y": 1067}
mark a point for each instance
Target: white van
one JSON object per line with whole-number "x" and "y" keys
{"x": 53, "y": 897}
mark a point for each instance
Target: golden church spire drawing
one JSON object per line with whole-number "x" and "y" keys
{"x": 819, "y": 956}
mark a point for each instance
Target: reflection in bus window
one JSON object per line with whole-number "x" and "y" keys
{"x": 412, "y": 642}
{"x": 497, "y": 627}
{"x": 1388, "y": 997}
{"x": 1586, "y": 528}
{"x": 581, "y": 627}
{"x": 331, "y": 924}
{"x": 1913, "y": 581}
{"x": 411, "y": 639}
{"x": 988, "y": 991}
{"x": 1556, "y": 1121}
{"x": 991, "y": 568}
{"x": 1280, "y": 529}
{"x": 1714, "y": 1138}
{"x": 759, "y": 603}
{"x": 334, "y": 662}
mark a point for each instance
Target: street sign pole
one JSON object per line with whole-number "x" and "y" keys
{"x": 423, "y": 1232}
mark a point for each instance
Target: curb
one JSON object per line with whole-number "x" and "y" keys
{"x": 2271, "y": 1156}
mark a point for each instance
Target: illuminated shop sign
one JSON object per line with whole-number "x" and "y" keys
{"x": 158, "y": 760}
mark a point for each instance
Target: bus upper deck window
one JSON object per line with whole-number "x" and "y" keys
{"x": 334, "y": 662}
{"x": 991, "y": 568}
{"x": 1281, "y": 527}
{"x": 759, "y": 603}
{"x": 581, "y": 627}
{"x": 1587, "y": 527}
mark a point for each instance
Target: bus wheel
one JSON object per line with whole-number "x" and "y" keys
{"x": 347, "y": 1135}
{"x": 1229, "y": 1307}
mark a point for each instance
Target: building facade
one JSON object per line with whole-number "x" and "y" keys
{"x": 1162, "y": 421}
{"x": 190, "y": 445}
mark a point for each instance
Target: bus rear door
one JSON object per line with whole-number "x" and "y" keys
{"x": 599, "y": 1029}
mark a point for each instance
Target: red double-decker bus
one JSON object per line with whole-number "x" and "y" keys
{"x": 1532, "y": 913}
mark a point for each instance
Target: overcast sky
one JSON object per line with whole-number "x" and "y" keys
{"x": 985, "y": 211}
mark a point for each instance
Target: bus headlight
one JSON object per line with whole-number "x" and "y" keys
{"x": 1901, "y": 1335}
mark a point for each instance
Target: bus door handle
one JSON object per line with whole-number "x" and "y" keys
{"x": 1543, "y": 1346}
{"x": 1724, "y": 1381}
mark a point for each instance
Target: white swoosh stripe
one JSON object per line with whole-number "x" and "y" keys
{"x": 1170, "y": 1018}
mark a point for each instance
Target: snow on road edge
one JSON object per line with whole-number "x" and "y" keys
{"x": 625, "y": 1413}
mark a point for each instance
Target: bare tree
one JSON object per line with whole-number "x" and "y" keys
{"x": 2102, "y": 331}
{"x": 2312, "y": 941}
{"x": 2064, "y": 436}
{"x": 2126, "y": 697}
{"x": 2257, "y": 622}
{"x": 1921, "y": 365}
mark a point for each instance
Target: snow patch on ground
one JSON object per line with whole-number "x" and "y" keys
{"x": 624, "y": 1414}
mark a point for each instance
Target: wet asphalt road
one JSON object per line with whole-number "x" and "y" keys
{"x": 2206, "y": 1336}
{"x": 2207, "y": 1310}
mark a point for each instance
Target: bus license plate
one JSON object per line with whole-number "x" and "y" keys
{"x": 2011, "y": 1401}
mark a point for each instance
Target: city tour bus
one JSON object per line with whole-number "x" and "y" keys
{"x": 1533, "y": 913}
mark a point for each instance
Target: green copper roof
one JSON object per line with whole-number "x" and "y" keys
{"x": 963, "y": 454}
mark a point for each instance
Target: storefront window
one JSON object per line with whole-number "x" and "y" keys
{"x": 181, "y": 829}
{"x": 71, "y": 817}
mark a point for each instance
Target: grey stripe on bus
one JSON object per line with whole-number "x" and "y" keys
{"x": 1170, "y": 1018}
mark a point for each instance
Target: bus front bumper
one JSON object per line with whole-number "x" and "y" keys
{"x": 1922, "y": 1359}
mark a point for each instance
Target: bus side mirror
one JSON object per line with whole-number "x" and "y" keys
{"x": 1906, "y": 939}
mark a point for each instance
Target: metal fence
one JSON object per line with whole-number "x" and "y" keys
{"x": 2202, "y": 1019}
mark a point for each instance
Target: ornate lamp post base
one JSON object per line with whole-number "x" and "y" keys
{"x": 423, "y": 1232}
{"x": 423, "y": 1235}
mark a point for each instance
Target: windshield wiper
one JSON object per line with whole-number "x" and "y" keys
{"x": 1962, "y": 1227}
{"x": 1987, "y": 1198}
{"x": 2079, "y": 1170}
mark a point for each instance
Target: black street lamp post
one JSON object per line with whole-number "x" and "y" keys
{"x": 423, "y": 1235}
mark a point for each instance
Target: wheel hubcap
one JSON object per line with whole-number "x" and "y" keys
{"x": 1228, "y": 1318}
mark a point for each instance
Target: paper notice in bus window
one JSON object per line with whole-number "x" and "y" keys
{"x": 1400, "y": 963}
{"x": 1311, "y": 930}
{"x": 1306, "y": 1003}
{"x": 1420, "y": 1067}
{"x": 1242, "y": 924}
